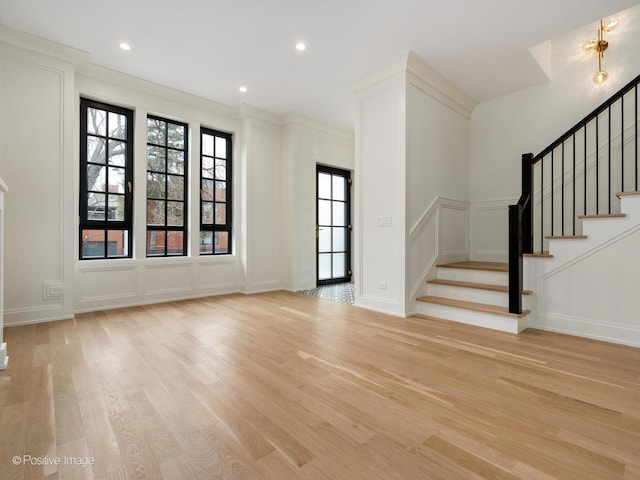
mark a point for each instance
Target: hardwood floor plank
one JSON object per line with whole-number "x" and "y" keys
{"x": 284, "y": 386}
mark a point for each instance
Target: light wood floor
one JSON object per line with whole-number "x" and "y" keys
{"x": 284, "y": 386}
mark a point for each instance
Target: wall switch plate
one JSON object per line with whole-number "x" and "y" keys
{"x": 384, "y": 221}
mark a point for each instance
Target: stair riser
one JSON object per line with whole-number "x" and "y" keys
{"x": 474, "y": 295}
{"x": 469, "y": 317}
{"x": 474, "y": 276}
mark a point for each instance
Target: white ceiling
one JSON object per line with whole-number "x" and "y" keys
{"x": 209, "y": 47}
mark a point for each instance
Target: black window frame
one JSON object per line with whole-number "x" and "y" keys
{"x": 228, "y": 225}
{"x": 166, "y": 228}
{"x": 106, "y": 225}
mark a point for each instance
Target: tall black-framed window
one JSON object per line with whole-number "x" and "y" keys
{"x": 215, "y": 192}
{"x": 106, "y": 181}
{"x": 166, "y": 187}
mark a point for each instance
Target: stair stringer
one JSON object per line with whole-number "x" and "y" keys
{"x": 590, "y": 287}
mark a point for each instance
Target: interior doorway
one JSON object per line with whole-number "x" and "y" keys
{"x": 333, "y": 225}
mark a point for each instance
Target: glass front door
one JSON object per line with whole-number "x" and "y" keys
{"x": 333, "y": 225}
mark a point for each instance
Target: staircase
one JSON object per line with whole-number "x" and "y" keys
{"x": 475, "y": 293}
{"x": 572, "y": 239}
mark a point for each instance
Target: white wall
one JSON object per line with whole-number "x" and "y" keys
{"x": 412, "y": 135}
{"x": 36, "y": 159}
{"x": 437, "y": 180}
{"x": 504, "y": 128}
{"x": 306, "y": 143}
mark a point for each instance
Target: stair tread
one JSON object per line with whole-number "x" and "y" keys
{"x": 478, "y": 286}
{"x": 474, "y": 265}
{"x": 565, "y": 237}
{"x": 603, "y": 215}
{"x": 627, "y": 194}
{"x": 479, "y": 307}
{"x": 538, "y": 255}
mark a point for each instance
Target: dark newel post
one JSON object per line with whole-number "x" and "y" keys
{"x": 527, "y": 190}
{"x": 515, "y": 259}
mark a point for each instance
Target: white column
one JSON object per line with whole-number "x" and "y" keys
{"x": 4, "y": 359}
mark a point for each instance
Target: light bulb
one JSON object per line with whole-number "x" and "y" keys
{"x": 600, "y": 77}
{"x": 590, "y": 45}
{"x": 610, "y": 24}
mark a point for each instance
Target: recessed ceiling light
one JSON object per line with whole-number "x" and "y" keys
{"x": 243, "y": 89}
{"x": 301, "y": 47}
{"x": 125, "y": 46}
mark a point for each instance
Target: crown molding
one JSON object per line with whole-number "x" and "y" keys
{"x": 26, "y": 41}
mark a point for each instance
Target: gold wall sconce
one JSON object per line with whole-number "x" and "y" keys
{"x": 599, "y": 46}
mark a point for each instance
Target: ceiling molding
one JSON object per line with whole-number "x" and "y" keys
{"x": 16, "y": 38}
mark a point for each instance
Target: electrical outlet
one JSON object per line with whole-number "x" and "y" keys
{"x": 52, "y": 290}
{"x": 382, "y": 285}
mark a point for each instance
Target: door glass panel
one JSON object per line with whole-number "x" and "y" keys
{"x": 324, "y": 266}
{"x": 116, "y": 179}
{"x": 339, "y": 216}
{"x": 96, "y": 151}
{"x": 339, "y": 239}
{"x": 324, "y": 239}
{"x": 339, "y": 265}
{"x": 324, "y": 212}
{"x": 338, "y": 187}
{"x": 324, "y": 185}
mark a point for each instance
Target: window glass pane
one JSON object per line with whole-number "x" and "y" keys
{"x": 338, "y": 187}
{"x": 221, "y": 242}
{"x": 207, "y": 213}
{"x": 221, "y": 147}
{"x": 221, "y": 169}
{"x": 339, "y": 237}
{"x": 175, "y": 214}
{"x": 156, "y": 160}
{"x": 221, "y": 213}
{"x": 221, "y": 191}
{"x": 96, "y": 178}
{"x": 156, "y": 131}
{"x": 206, "y": 243}
{"x": 155, "y": 243}
{"x": 324, "y": 185}
{"x": 96, "y": 206}
{"x": 117, "y": 243}
{"x": 96, "y": 151}
{"x": 339, "y": 213}
{"x": 117, "y": 152}
{"x": 206, "y": 193}
{"x": 175, "y": 243}
{"x": 155, "y": 212}
{"x": 207, "y": 167}
{"x": 117, "y": 126}
{"x": 339, "y": 262}
{"x": 176, "y": 162}
{"x": 116, "y": 180}
{"x": 324, "y": 239}
{"x": 207, "y": 145}
{"x": 156, "y": 185}
{"x": 116, "y": 208}
{"x": 324, "y": 212}
{"x": 96, "y": 121}
{"x": 175, "y": 185}
{"x": 324, "y": 266}
{"x": 175, "y": 136}
{"x": 92, "y": 244}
